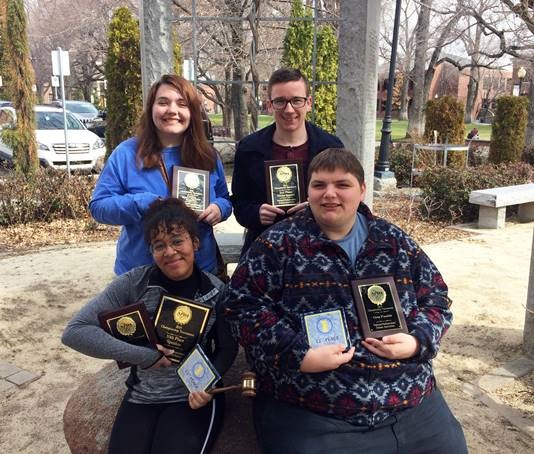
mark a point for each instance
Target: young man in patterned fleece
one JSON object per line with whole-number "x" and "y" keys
{"x": 378, "y": 396}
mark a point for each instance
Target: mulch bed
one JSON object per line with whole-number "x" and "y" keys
{"x": 398, "y": 207}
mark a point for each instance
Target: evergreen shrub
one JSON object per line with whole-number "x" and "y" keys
{"x": 400, "y": 157}
{"x": 446, "y": 116}
{"x": 528, "y": 154}
{"x": 508, "y": 130}
{"x": 445, "y": 190}
{"x": 123, "y": 73}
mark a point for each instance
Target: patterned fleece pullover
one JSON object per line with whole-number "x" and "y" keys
{"x": 293, "y": 269}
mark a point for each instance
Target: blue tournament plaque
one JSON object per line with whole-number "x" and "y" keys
{"x": 326, "y": 328}
{"x": 197, "y": 372}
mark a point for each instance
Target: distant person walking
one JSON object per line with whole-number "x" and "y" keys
{"x": 139, "y": 170}
{"x": 473, "y": 134}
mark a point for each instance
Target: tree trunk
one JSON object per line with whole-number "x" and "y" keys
{"x": 227, "y": 106}
{"x": 416, "y": 120}
{"x": 254, "y": 92}
{"x": 239, "y": 106}
{"x": 472, "y": 91}
{"x": 404, "y": 93}
{"x": 472, "y": 88}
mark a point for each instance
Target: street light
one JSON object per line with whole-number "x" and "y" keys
{"x": 382, "y": 166}
{"x": 521, "y": 73}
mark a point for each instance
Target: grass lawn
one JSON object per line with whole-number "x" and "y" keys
{"x": 263, "y": 120}
{"x": 398, "y": 128}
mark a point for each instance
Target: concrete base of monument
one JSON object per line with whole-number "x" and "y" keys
{"x": 384, "y": 182}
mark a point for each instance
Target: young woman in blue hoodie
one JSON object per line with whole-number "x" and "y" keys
{"x": 139, "y": 171}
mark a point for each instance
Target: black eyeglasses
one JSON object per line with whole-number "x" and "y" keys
{"x": 158, "y": 248}
{"x": 298, "y": 102}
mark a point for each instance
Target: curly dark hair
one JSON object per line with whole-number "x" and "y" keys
{"x": 165, "y": 215}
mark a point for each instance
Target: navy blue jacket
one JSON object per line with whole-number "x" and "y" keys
{"x": 249, "y": 190}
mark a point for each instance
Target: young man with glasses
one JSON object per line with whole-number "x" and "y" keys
{"x": 289, "y": 137}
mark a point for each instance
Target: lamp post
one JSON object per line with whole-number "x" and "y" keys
{"x": 382, "y": 166}
{"x": 521, "y": 73}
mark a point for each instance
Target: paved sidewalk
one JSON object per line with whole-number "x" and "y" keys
{"x": 11, "y": 376}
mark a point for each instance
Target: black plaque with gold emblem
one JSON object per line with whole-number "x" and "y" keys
{"x": 192, "y": 186}
{"x": 130, "y": 324}
{"x": 378, "y": 306}
{"x": 180, "y": 324}
{"x": 285, "y": 183}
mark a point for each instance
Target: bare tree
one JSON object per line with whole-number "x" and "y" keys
{"x": 406, "y": 47}
{"x": 422, "y": 36}
{"x": 78, "y": 26}
{"x": 511, "y": 24}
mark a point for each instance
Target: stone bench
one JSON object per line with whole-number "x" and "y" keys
{"x": 91, "y": 410}
{"x": 493, "y": 203}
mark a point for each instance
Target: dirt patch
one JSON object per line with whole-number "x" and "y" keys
{"x": 399, "y": 208}
{"x": 519, "y": 395}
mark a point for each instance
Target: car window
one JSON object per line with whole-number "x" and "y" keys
{"x": 82, "y": 108}
{"x": 54, "y": 120}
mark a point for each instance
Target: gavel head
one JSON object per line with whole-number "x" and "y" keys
{"x": 248, "y": 388}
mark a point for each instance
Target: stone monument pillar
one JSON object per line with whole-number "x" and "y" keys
{"x": 357, "y": 82}
{"x": 156, "y": 41}
{"x": 528, "y": 331}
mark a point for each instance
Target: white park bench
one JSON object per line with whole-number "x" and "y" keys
{"x": 493, "y": 203}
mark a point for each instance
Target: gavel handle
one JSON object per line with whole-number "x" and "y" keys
{"x": 224, "y": 389}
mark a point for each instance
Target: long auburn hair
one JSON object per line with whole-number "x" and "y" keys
{"x": 195, "y": 149}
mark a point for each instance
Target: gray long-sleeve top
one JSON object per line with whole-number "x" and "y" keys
{"x": 84, "y": 334}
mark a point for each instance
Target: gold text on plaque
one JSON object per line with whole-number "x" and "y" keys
{"x": 284, "y": 174}
{"x": 376, "y": 294}
{"x": 126, "y": 326}
{"x": 182, "y": 315}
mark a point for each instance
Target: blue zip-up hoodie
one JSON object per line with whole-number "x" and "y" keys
{"x": 122, "y": 196}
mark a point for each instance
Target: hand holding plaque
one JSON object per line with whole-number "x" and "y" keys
{"x": 130, "y": 324}
{"x": 197, "y": 372}
{"x": 192, "y": 186}
{"x": 378, "y": 306}
{"x": 180, "y": 324}
{"x": 326, "y": 328}
{"x": 285, "y": 183}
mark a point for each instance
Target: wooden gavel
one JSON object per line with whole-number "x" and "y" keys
{"x": 247, "y": 386}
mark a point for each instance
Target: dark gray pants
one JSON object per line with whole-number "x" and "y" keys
{"x": 428, "y": 428}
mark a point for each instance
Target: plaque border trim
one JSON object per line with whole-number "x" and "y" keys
{"x": 360, "y": 307}
{"x": 177, "y": 169}
{"x": 140, "y": 308}
{"x": 207, "y": 310}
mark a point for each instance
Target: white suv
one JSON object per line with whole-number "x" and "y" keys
{"x": 86, "y": 149}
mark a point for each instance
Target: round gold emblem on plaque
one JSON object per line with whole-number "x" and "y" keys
{"x": 284, "y": 174}
{"x": 198, "y": 370}
{"x": 126, "y": 326}
{"x": 324, "y": 325}
{"x": 182, "y": 315}
{"x": 191, "y": 180}
{"x": 377, "y": 295}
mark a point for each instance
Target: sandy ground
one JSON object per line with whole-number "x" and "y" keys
{"x": 487, "y": 275}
